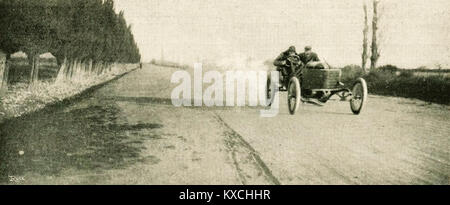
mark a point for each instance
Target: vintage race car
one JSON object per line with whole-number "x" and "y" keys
{"x": 316, "y": 80}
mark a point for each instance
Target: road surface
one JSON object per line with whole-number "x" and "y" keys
{"x": 128, "y": 132}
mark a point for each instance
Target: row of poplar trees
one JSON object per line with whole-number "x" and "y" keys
{"x": 374, "y": 47}
{"x": 76, "y": 32}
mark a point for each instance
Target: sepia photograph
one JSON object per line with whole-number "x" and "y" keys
{"x": 224, "y": 92}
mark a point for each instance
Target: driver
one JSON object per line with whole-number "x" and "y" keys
{"x": 280, "y": 61}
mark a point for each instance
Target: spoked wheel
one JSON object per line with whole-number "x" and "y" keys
{"x": 359, "y": 96}
{"x": 269, "y": 92}
{"x": 294, "y": 95}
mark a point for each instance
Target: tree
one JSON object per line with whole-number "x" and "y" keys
{"x": 8, "y": 43}
{"x": 86, "y": 34}
{"x": 365, "y": 54}
{"x": 29, "y": 30}
{"x": 374, "y": 48}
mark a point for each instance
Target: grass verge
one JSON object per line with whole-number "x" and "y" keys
{"x": 391, "y": 81}
{"x": 21, "y": 100}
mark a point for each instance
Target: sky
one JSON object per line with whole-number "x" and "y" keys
{"x": 413, "y": 33}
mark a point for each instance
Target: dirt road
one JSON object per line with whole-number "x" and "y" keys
{"x": 128, "y": 132}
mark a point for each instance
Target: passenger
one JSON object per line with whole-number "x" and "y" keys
{"x": 308, "y": 56}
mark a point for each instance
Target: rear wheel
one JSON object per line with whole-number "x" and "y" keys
{"x": 359, "y": 96}
{"x": 294, "y": 95}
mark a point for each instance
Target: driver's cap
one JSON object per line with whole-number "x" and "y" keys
{"x": 292, "y": 49}
{"x": 308, "y": 48}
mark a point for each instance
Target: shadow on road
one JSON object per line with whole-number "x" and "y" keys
{"x": 168, "y": 101}
{"x": 54, "y": 140}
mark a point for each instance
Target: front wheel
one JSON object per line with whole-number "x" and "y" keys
{"x": 294, "y": 95}
{"x": 359, "y": 96}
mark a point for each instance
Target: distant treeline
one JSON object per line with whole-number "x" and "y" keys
{"x": 76, "y": 32}
{"x": 392, "y": 81}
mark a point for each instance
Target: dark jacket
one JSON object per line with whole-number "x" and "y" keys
{"x": 282, "y": 57}
{"x": 308, "y": 56}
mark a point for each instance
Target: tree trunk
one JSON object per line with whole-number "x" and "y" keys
{"x": 62, "y": 71}
{"x": 365, "y": 54}
{"x": 34, "y": 62}
{"x": 4, "y": 71}
{"x": 374, "y": 47}
{"x": 59, "y": 61}
{"x": 90, "y": 67}
{"x": 71, "y": 69}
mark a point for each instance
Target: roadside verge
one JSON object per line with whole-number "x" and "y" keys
{"x": 25, "y": 101}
